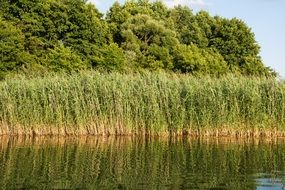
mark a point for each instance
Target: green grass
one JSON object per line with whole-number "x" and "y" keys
{"x": 151, "y": 103}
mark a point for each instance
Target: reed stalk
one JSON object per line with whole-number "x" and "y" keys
{"x": 92, "y": 103}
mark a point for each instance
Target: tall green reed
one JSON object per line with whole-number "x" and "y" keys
{"x": 93, "y": 103}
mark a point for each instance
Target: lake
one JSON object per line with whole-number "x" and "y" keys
{"x": 141, "y": 163}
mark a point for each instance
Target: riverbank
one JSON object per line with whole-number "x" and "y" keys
{"x": 158, "y": 104}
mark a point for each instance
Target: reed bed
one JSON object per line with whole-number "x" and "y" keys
{"x": 92, "y": 103}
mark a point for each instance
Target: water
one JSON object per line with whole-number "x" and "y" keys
{"x": 132, "y": 163}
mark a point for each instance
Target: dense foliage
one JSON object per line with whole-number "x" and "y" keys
{"x": 95, "y": 103}
{"x": 71, "y": 35}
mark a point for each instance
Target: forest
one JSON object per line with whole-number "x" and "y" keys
{"x": 42, "y": 36}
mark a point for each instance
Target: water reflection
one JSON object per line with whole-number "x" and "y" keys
{"x": 134, "y": 163}
{"x": 273, "y": 181}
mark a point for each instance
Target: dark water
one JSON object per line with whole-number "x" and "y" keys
{"x": 125, "y": 163}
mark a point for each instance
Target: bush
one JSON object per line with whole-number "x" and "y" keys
{"x": 110, "y": 57}
{"x": 63, "y": 58}
{"x": 191, "y": 59}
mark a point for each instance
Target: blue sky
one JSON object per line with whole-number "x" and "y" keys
{"x": 265, "y": 17}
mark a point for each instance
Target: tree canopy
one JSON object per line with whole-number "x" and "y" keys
{"x": 71, "y": 35}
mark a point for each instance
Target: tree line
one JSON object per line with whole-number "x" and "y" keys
{"x": 72, "y": 35}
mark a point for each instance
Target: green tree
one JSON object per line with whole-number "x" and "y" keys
{"x": 232, "y": 38}
{"x": 191, "y": 59}
{"x": 12, "y": 51}
{"x": 150, "y": 40}
{"x": 73, "y": 35}
{"x": 45, "y": 24}
{"x": 61, "y": 58}
{"x": 110, "y": 57}
{"x": 236, "y": 42}
{"x": 119, "y": 14}
{"x": 191, "y": 29}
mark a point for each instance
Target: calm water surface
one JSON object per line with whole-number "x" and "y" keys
{"x": 132, "y": 163}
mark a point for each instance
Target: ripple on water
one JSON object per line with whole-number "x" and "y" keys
{"x": 132, "y": 163}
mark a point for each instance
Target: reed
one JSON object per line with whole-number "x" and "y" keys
{"x": 92, "y": 103}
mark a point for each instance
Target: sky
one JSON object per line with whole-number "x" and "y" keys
{"x": 264, "y": 17}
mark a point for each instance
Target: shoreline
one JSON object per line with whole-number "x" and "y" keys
{"x": 121, "y": 141}
{"x": 218, "y": 132}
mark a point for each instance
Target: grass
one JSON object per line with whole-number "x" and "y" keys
{"x": 91, "y": 103}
